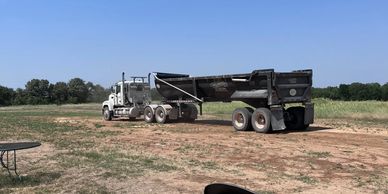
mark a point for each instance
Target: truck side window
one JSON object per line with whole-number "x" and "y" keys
{"x": 118, "y": 89}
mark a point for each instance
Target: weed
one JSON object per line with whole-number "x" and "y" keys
{"x": 318, "y": 154}
{"x": 185, "y": 148}
{"x": 208, "y": 165}
{"x": 28, "y": 181}
{"x": 306, "y": 179}
{"x": 98, "y": 125}
{"x": 264, "y": 192}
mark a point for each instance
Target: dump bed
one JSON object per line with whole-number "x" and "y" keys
{"x": 258, "y": 88}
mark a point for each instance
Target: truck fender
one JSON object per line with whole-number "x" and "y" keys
{"x": 153, "y": 107}
{"x": 167, "y": 108}
{"x": 106, "y": 103}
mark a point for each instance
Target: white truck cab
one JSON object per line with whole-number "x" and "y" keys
{"x": 128, "y": 98}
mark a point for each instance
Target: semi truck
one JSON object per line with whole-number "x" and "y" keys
{"x": 274, "y": 100}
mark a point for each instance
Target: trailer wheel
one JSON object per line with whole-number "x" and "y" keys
{"x": 107, "y": 114}
{"x": 149, "y": 116}
{"x": 296, "y": 118}
{"x": 261, "y": 120}
{"x": 160, "y": 115}
{"x": 241, "y": 119}
{"x": 190, "y": 112}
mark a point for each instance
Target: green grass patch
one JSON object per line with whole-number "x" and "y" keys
{"x": 116, "y": 164}
{"x": 28, "y": 181}
{"x": 351, "y": 109}
{"x": 306, "y": 179}
{"x": 319, "y": 154}
{"x": 264, "y": 192}
{"x": 98, "y": 125}
{"x": 367, "y": 111}
{"x": 206, "y": 165}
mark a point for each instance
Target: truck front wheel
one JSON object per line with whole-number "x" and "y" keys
{"x": 107, "y": 114}
{"x": 261, "y": 120}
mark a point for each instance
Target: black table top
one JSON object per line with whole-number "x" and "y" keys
{"x": 18, "y": 146}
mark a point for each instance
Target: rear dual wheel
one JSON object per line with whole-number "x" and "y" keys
{"x": 160, "y": 115}
{"x": 241, "y": 119}
{"x": 149, "y": 116}
{"x": 244, "y": 119}
{"x": 261, "y": 120}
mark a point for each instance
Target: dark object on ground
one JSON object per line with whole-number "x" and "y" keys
{"x": 219, "y": 188}
{"x": 12, "y": 147}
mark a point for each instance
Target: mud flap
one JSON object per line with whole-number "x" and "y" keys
{"x": 277, "y": 120}
{"x": 309, "y": 113}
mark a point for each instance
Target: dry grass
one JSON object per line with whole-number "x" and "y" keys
{"x": 80, "y": 153}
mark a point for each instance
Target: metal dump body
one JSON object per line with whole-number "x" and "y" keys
{"x": 259, "y": 89}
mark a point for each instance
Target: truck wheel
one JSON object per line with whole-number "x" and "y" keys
{"x": 296, "y": 118}
{"x": 160, "y": 115}
{"x": 107, "y": 114}
{"x": 190, "y": 112}
{"x": 241, "y": 119}
{"x": 261, "y": 120}
{"x": 149, "y": 116}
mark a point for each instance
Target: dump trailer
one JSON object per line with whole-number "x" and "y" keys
{"x": 269, "y": 95}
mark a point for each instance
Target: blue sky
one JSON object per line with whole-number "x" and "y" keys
{"x": 96, "y": 40}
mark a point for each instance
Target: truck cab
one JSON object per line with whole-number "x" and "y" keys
{"x": 127, "y": 99}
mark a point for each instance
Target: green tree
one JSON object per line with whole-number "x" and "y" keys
{"x": 374, "y": 91}
{"x": 384, "y": 92}
{"x": 78, "y": 92}
{"x": 343, "y": 92}
{"x": 59, "y": 93}
{"x": 97, "y": 93}
{"x": 20, "y": 97}
{"x": 38, "y": 91}
{"x": 6, "y": 96}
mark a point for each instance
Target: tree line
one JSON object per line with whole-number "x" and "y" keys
{"x": 41, "y": 91}
{"x": 76, "y": 90}
{"x": 353, "y": 92}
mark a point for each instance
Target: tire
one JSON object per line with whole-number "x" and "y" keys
{"x": 241, "y": 119}
{"x": 107, "y": 114}
{"x": 160, "y": 115}
{"x": 132, "y": 118}
{"x": 149, "y": 116}
{"x": 190, "y": 109}
{"x": 261, "y": 120}
{"x": 296, "y": 118}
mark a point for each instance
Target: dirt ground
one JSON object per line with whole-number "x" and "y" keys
{"x": 332, "y": 156}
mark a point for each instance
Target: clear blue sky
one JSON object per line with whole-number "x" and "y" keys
{"x": 342, "y": 41}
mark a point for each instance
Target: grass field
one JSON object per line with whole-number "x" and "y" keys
{"x": 324, "y": 109}
{"x": 81, "y": 153}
